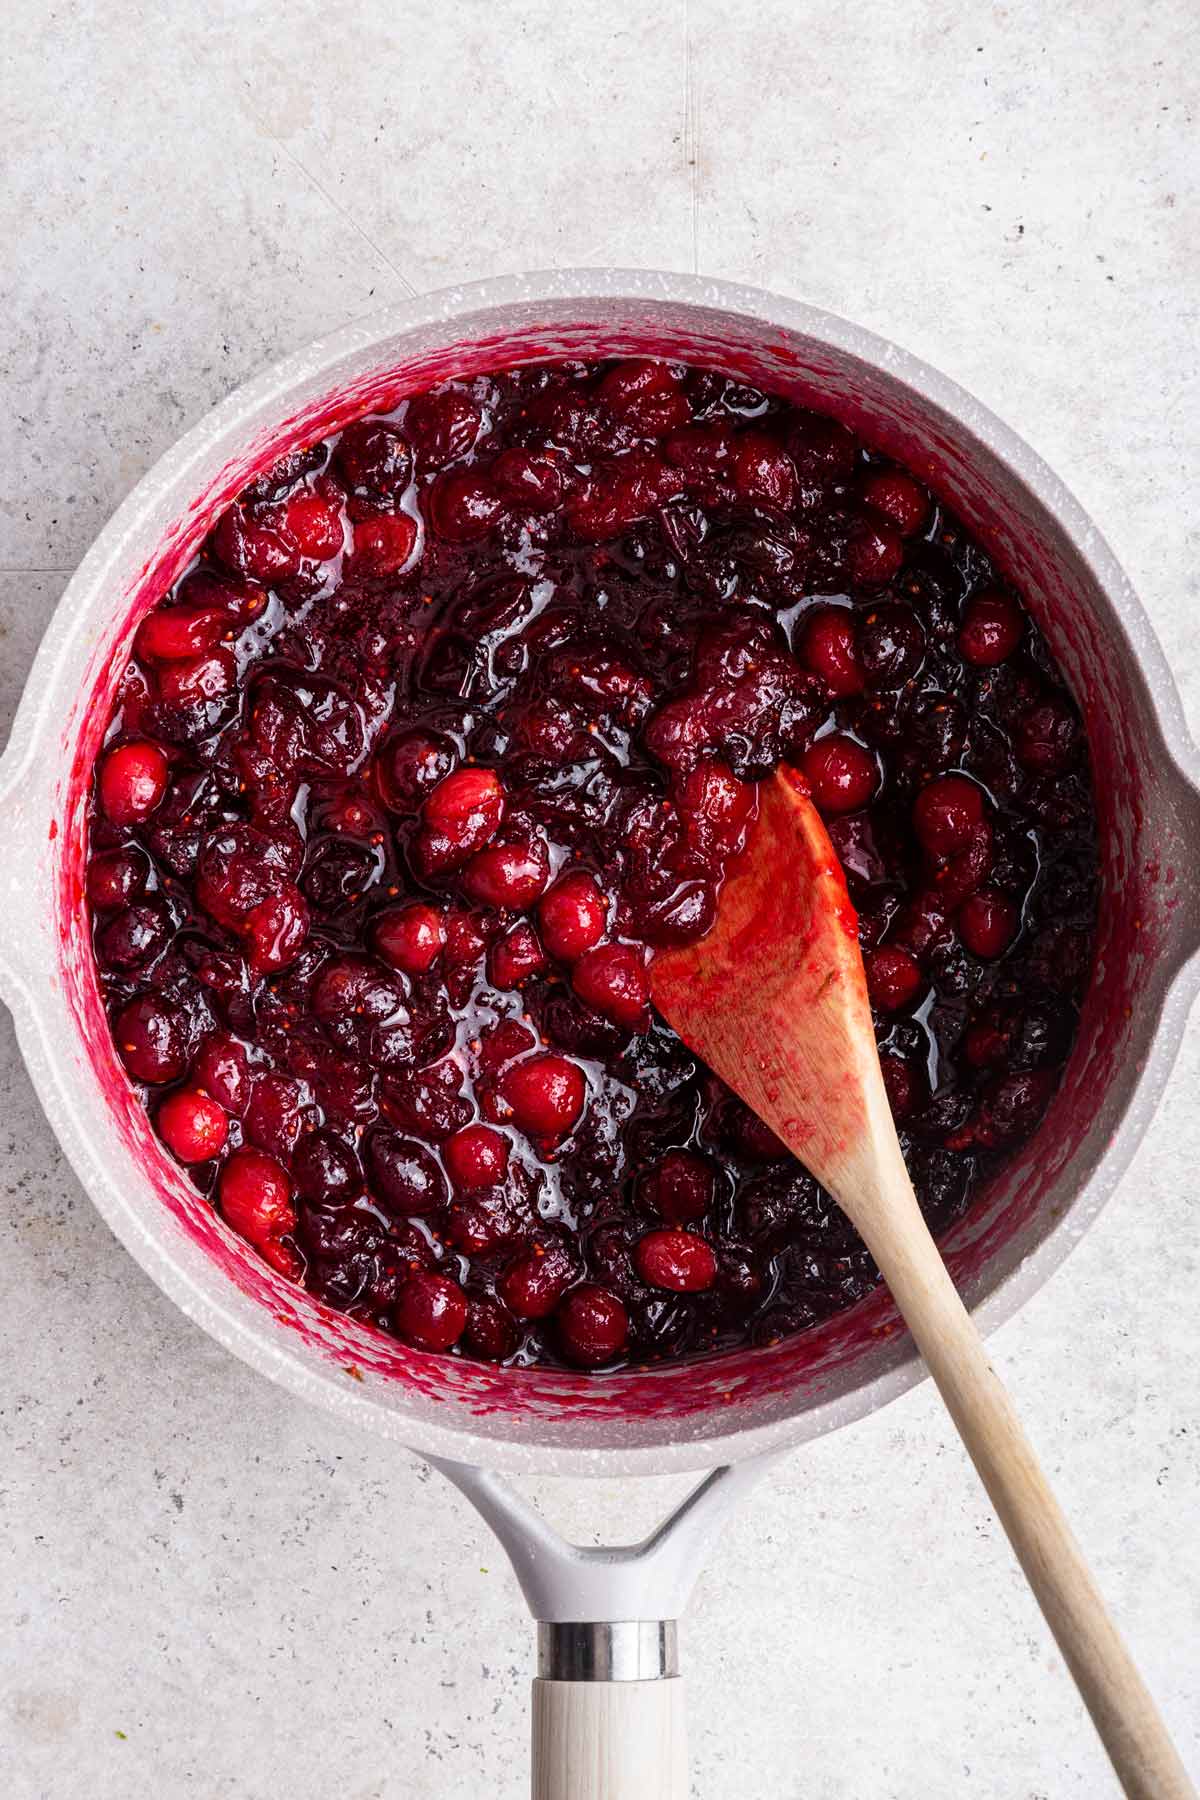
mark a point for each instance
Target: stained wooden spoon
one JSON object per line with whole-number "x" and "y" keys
{"x": 775, "y": 1001}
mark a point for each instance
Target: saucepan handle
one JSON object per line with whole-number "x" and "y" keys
{"x": 609, "y": 1740}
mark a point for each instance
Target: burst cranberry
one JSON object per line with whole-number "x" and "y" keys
{"x": 572, "y": 916}
{"x": 841, "y": 774}
{"x": 823, "y": 451}
{"x": 275, "y": 930}
{"x": 314, "y": 522}
{"x": 404, "y": 1175}
{"x": 192, "y": 1126}
{"x": 592, "y": 1326}
{"x": 374, "y": 460}
{"x": 431, "y": 1311}
{"x": 511, "y": 875}
{"x": 679, "y": 1187}
{"x": 443, "y": 426}
{"x": 715, "y": 807}
{"x": 1047, "y": 736}
{"x": 874, "y": 554}
{"x": 410, "y": 765}
{"x": 829, "y": 647}
{"x": 409, "y": 937}
{"x": 515, "y": 958}
{"x": 132, "y": 782}
{"x": 223, "y": 1070}
{"x": 646, "y": 395}
{"x": 544, "y": 1095}
{"x": 476, "y": 1157}
{"x": 612, "y": 980}
{"x": 534, "y": 483}
{"x": 180, "y": 633}
{"x": 208, "y": 677}
{"x": 383, "y": 545}
{"x": 987, "y": 923}
{"x": 275, "y": 1115}
{"x": 891, "y": 644}
{"x": 763, "y": 471}
{"x": 533, "y": 1287}
{"x": 946, "y": 812}
{"x": 256, "y": 1197}
{"x": 464, "y": 506}
{"x": 116, "y": 878}
{"x": 992, "y": 627}
{"x": 132, "y": 939}
{"x": 467, "y": 808}
{"x": 256, "y": 545}
{"x": 151, "y": 1039}
{"x": 899, "y": 498}
{"x": 675, "y": 1260}
{"x": 894, "y": 979}
{"x": 901, "y": 1085}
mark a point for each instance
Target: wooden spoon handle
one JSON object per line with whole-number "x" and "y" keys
{"x": 1124, "y": 1713}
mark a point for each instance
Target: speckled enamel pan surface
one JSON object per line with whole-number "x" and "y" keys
{"x": 724, "y": 1408}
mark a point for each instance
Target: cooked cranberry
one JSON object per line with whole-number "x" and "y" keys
{"x": 117, "y": 877}
{"x": 893, "y": 979}
{"x": 945, "y": 813}
{"x": 676, "y": 1260}
{"x": 840, "y": 773}
{"x": 404, "y": 1176}
{"x": 1047, "y": 736}
{"x": 572, "y": 916}
{"x": 275, "y": 1115}
{"x": 679, "y": 1187}
{"x": 987, "y": 923}
{"x": 410, "y": 765}
{"x": 431, "y": 1311}
{"x": 325, "y": 1169}
{"x": 829, "y": 647}
{"x": 374, "y": 460}
{"x": 516, "y": 957}
{"x": 256, "y": 1196}
{"x": 181, "y": 633}
{"x": 544, "y": 1094}
{"x": 222, "y": 1070}
{"x": 611, "y": 978}
{"x": 443, "y": 426}
{"x": 314, "y": 522}
{"x": 192, "y": 1126}
{"x": 409, "y": 937}
{"x": 491, "y": 1331}
{"x": 901, "y": 1085}
{"x": 646, "y": 394}
{"x": 715, "y": 808}
{"x": 133, "y": 938}
{"x": 132, "y": 781}
{"x": 476, "y": 1157}
{"x": 464, "y": 506}
{"x": 527, "y": 480}
{"x": 763, "y": 471}
{"x": 274, "y": 931}
{"x": 823, "y": 451}
{"x": 533, "y": 1287}
{"x": 592, "y": 1326}
{"x": 151, "y": 1039}
{"x": 207, "y": 677}
{"x": 874, "y": 554}
{"x": 383, "y": 545}
{"x": 899, "y": 498}
{"x": 257, "y": 545}
{"x": 467, "y": 808}
{"x": 891, "y": 644}
{"x": 992, "y": 627}
{"x": 511, "y": 875}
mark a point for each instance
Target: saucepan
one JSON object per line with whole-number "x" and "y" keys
{"x": 607, "y": 1703}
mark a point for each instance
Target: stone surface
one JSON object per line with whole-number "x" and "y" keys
{"x": 207, "y": 1589}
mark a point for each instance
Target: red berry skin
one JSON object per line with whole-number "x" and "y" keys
{"x": 509, "y": 875}
{"x": 475, "y": 1157}
{"x": 516, "y": 958}
{"x": 468, "y": 806}
{"x": 900, "y": 1083}
{"x": 529, "y": 482}
{"x": 874, "y": 553}
{"x": 116, "y": 877}
{"x": 679, "y": 1187}
{"x": 256, "y": 1196}
{"x": 383, "y": 545}
{"x": 491, "y": 1330}
{"x": 222, "y": 1069}
{"x": 829, "y": 649}
{"x": 992, "y": 627}
{"x": 894, "y": 979}
{"x": 572, "y": 916}
{"x": 593, "y": 1326}
{"x": 945, "y": 814}
{"x": 675, "y": 1260}
{"x": 315, "y": 522}
{"x": 899, "y": 498}
{"x": 150, "y": 1039}
{"x": 545, "y": 1094}
{"x": 841, "y": 774}
{"x": 275, "y": 930}
{"x": 612, "y": 980}
{"x": 180, "y": 633}
{"x": 464, "y": 506}
{"x": 257, "y": 545}
{"x": 192, "y": 1126}
{"x": 409, "y": 937}
{"x": 532, "y": 1287}
{"x": 431, "y": 1311}
{"x": 133, "y": 779}
{"x": 206, "y": 677}
{"x": 987, "y": 923}
{"x": 763, "y": 471}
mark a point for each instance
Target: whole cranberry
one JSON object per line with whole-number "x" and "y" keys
{"x": 572, "y": 916}
{"x": 409, "y": 937}
{"x": 612, "y": 980}
{"x": 255, "y": 1196}
{"x": 275, "y": 1115}
{"x": 464, "y": 506}
{"x": 516, "y": 957}
{"x": 476, "y": 1157}
{"x": 646, "y": 395}
{"x": 894, "y": 979}
{"x": 116, "y": 877}
{"x": 544, "y": 1094}
{"x": 715, "y": 808}
{"x": 676, "y": 1260}
{"x": 274, "y": 931}
{"x": 533, "y": 1286}
{"x": 891, "y": 644}
{"x": 945, "y": 813}
{"x": 374, "y": 460}
{"x": 430, "y": 1311}
{"x": 203, "y": 678}
{"x": 679, "y": 1187}
{"x": 763, "y": 472}
{"x": 841, "y": 774}
{"x": 593, "y": 1326}
{"x": 443, "y": 425}
{"x": 828, "y": 645}
{"x": 466, "y": 808}
{"x": 314, "y": 522}
{"x": 992, "y": 627}
{"x": 529, "y": 480}
{"x": 223, "y": 1070}
{"x": 132, "y": 939}
{"x": 410, "y": 764}
{"x": 874, "y": 553}
{"x": 192, "y": 1126}
{"x": 899, "y": 498}
{"x": 509, "y": 875}
{"x": 491, "y": 1332}
{"x": 256, "y": 544}
{"x": 383, "y": 545}
{"x": 405, "y": 1178}
{"x": 132, "y": 781}
{"x": 326, "y": 1170}
{"x": 823, "y": 451}
{"x": 180, "y": 633}
{"x": 987, "y": 923}
{"x": 151, "y": 1039}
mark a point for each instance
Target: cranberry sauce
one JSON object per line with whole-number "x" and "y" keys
{"x": 456, "y": 718}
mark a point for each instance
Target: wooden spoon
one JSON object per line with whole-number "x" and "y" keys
{"x": 775, "y": 1001}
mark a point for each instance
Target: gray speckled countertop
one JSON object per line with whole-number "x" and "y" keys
{"x": 206, "y": 1588}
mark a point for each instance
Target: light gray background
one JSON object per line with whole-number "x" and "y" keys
{"x": 208, "y": 1590}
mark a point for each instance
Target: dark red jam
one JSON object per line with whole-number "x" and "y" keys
{"x": 454, "y": 720}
